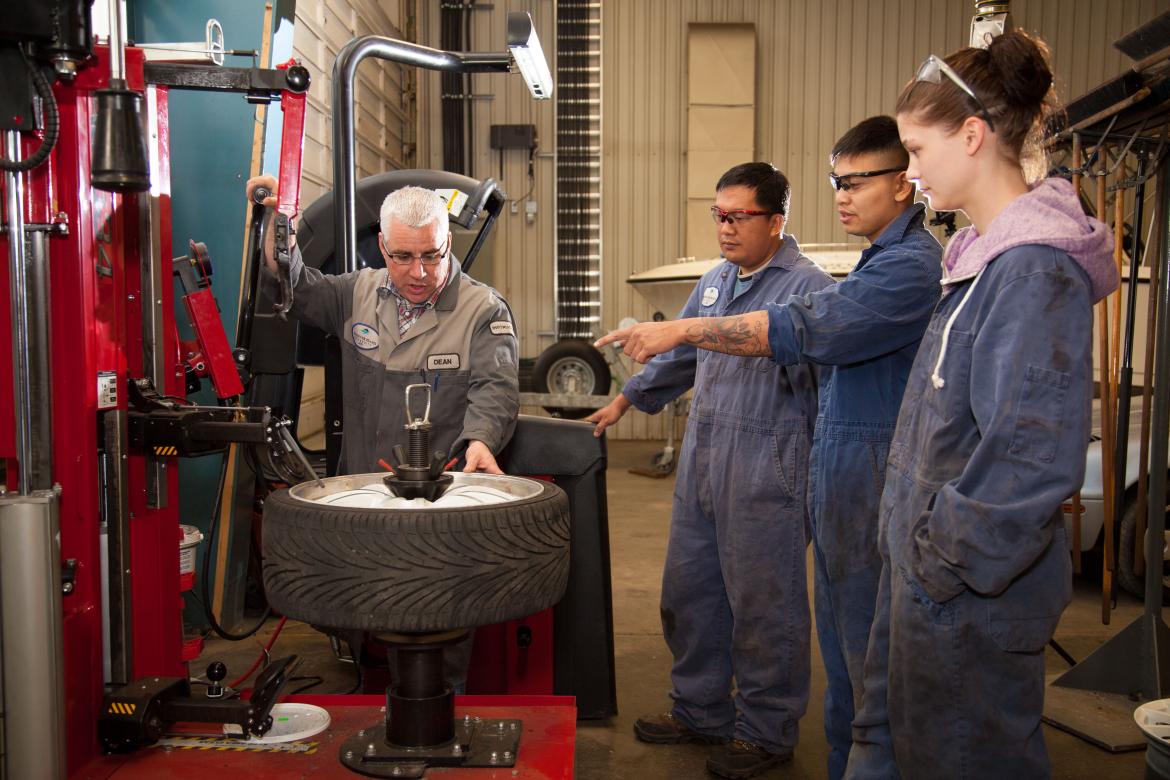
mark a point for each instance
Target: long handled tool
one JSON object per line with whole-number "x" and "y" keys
{"x": 1125, "y": 369}
{"x": 1106, "y": 430}
{"x": 1147, "y": 392}
{"x": 1076, "y": 499}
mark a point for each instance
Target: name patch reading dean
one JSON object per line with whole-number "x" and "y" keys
{"x": 364, "y": 337}
{"x": 442, "y": 361}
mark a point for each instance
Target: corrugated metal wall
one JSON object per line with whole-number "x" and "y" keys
{"x": 384, "y": 95}
{"x": 822, "y": 66}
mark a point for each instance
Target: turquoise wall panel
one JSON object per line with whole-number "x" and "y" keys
{"x": 211, "y": 153}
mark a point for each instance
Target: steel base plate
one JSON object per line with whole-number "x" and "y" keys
{"x": 477, "y": 743}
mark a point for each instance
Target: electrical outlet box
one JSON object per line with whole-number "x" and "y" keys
{"x": 513, "y": 136}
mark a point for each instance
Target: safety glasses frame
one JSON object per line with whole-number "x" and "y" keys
{"x": 841, "y": 181}
{"x": 736, "y": 216}
{"x": 428, "y": 259}
{"x": 933, "y": 68}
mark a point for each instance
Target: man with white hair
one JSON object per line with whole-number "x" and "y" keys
{"x": 418, "y": 320}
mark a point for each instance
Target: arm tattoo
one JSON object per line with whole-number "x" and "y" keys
{"x": 745, "y": 335}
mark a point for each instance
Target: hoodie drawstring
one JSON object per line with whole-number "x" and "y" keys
{"x": 935, "y": 378}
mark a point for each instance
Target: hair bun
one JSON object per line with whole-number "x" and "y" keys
{"x": 1022, "y": 64}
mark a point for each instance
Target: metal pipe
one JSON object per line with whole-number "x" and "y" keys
{"x": 31, "y": 627}
{"x": 153, "y": 273}
{"x": 1147, "y": 393}
{"x": 1156, "y": 506}
{"x": 1107, "y": 420}
{"x": 117, "y": 11}
{"x": 1076, "y": 500}
{"x": 344, "y": 157}
{"x": 17, "y": 287}
{"x": 40, "y": 470}
{"x": 117, "y": 575}
{"x": 1125, "y": 371}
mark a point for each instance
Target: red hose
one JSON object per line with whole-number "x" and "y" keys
{"x": 263, "y": 654}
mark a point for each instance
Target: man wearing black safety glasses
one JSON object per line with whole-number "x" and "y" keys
{"x": 867, "y": 328}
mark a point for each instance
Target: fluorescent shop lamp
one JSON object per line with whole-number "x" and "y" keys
{"x": 525, "y": 49}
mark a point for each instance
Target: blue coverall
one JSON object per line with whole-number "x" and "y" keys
{"x": 734, "y": 593}
{"x": 867, "y": 327}
{"x": 976, "y": 568}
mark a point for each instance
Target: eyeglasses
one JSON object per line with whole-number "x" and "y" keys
{"x": 844, "y": 183}
{"x": 407, "y": 258}
{"x": 736, "y": 216}
{"x": 934, "y": 68}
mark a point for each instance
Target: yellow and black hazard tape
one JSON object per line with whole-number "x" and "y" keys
{"x": 223, "y": 745}
{"x": 168, "y": 450}
{"x": 121, "y": 708}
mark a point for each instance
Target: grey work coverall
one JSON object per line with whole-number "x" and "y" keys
{"x": 464, "y": 348}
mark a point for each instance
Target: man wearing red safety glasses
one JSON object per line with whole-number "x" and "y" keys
{"x": 734, "y": 597}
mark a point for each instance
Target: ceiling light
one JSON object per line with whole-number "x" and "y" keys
{"x": 525, "y": 49}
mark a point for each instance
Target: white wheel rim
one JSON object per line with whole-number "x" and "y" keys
{"x": 368, "y": 491}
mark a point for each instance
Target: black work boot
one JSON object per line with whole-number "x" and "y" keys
{"x": 741, "y": 759}
{"x": 665, "y": 729}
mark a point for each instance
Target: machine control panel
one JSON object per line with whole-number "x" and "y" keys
{"x": 107, "y": 390}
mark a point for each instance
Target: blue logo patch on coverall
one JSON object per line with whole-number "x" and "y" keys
{"x": 364, "y": 336}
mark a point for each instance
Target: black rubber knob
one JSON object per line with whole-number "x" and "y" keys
{"x": 297, "y": 78}
{"x": 216, "y": 671}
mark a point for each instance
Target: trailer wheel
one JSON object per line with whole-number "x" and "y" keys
{"x": 1127, "y": 576}
{"x": 573, "y": 367}
{"x": 415, "y": 570}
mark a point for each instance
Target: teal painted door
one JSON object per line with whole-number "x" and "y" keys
{"x": 211, "y": 155}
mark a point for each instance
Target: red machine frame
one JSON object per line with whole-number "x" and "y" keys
{"x": 96, "y": 326}
{"x": 98, "y": 308}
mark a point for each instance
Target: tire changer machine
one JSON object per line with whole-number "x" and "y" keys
{"x": 97, "y": 377}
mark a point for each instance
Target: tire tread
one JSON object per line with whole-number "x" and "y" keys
{"x": 415, "y": 571}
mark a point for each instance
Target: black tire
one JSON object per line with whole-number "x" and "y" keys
{"x": 571, "y": 365}
{"x": 1127, "y": 577}
{"x": 416, "y": 571}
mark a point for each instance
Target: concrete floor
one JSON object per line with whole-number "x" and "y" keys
{"x": 639, "y": 514}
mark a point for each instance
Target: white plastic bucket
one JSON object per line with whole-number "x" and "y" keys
{"x": 191, "y": 539}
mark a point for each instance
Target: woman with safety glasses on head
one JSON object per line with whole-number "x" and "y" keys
{"x": 991, "y": 436}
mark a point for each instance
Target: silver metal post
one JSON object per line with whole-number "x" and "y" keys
{"x": 153, "y": 274}
{"x": 117, "y": 11}
{"x": 17, "y": 286}
{"x": 31, "y": 628}
{"x": 40, "y": 469}
{"x": 117, "y": 616}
